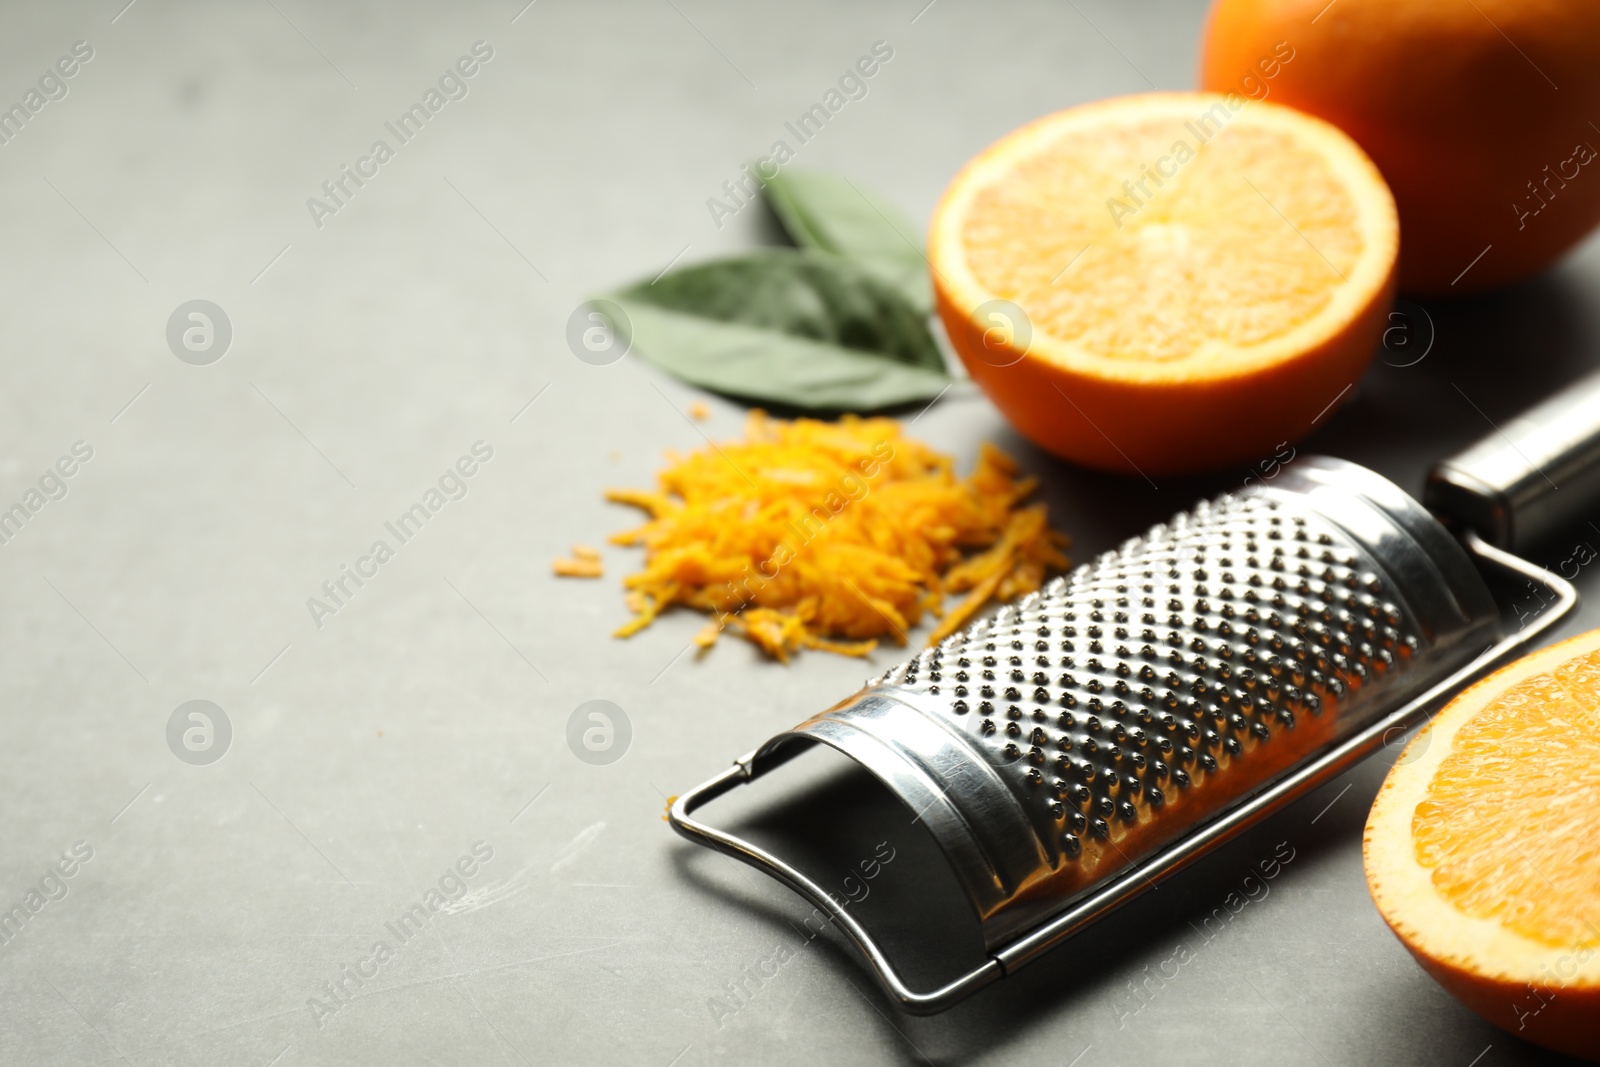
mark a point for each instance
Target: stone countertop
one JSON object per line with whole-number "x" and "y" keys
{"x": 407, "y": 746}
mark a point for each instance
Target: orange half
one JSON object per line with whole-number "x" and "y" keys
{"x": 1483, "y": 847}
{"x": 1166, "y": 282}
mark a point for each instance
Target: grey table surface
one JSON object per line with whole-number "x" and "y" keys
{"x": 375, "y": 746}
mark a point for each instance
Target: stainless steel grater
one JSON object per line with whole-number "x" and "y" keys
{"x": 1097, "y": 736}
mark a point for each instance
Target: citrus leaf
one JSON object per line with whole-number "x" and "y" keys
{"x": 799, "y": 328}
{"x": 834, "y": 214}
{"x": 774, "y": 368}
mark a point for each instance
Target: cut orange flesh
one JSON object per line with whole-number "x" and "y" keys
{"x": 1168, "y": 281}
{"x": 1483, "y": 847}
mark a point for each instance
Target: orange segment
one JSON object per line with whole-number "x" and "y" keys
{"x": 1197, "y": 276}
{"x": 1483, "y": 847}
{"x": 1467, "y": 831}
{"x": 1161, "y": 266}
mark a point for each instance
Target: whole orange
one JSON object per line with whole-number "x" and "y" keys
{"x": 1481, "y": 114}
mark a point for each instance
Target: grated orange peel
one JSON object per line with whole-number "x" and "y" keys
{"x": 832, "y": 536}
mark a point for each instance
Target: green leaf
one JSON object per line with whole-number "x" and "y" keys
{"x": 834, "y": 214}
{"x": 799, "y": 328}
{"x": 773, "y": 368}
{"x": 809, "y": 294}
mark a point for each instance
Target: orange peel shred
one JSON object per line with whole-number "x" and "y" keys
{"x": 832, "y": 536}
{"x": 585, "y": 563}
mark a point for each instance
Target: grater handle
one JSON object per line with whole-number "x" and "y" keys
{"x": 680, "y": 815}
{"x": 1530, "y": 478}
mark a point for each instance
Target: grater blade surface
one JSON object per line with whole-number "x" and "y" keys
{"x": 1052, "y": 746}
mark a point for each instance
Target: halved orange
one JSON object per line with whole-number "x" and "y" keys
{"x": 1166, "y": 282}
{"x": 1483, "y": 847}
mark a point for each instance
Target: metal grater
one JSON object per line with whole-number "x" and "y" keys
{"x": 1135, "y": 714}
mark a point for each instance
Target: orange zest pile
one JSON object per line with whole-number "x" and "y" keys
{"x": 811, "y": 534}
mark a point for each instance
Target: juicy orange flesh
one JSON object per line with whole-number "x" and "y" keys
{"x": 1247, "y": 239}
{"x": 1509, "y": 824}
